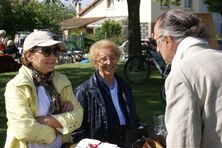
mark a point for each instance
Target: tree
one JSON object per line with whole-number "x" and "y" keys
{"x": 134, "y": 35}
{"x": 109, "y": 29}
{"x": 5, "y": 14}
{"x": 214, "y": 5}
{"x": 28, "y": 15}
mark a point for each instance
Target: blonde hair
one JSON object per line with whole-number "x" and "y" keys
{"x": 96, "y": 48}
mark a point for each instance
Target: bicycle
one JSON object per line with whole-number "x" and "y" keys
{"x": 137, "y": 69}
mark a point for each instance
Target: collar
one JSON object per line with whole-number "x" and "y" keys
{"x": 102, "y": 81}
{"x": 184, "y": 45}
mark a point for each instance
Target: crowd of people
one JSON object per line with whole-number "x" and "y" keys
{"x": 44, "y": 112}
{"x": 8, "y": 48}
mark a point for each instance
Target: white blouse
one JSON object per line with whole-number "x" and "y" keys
{"x": 43, "y": 109}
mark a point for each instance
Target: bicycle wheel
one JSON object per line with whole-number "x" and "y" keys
{"x": 163, "y": 94}
{"x": 137, "y": 70}
{"x": 65, "y": 59}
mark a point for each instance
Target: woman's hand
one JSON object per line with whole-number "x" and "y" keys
{"x": 50, "y": 121}
{"x": 67, "y": 107}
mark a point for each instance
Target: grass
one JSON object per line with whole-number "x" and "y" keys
{"x": 147, "y": 96}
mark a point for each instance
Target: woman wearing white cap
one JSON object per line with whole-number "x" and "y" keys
{"x": 40, "y": 106}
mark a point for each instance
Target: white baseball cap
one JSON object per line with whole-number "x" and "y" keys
{"x": 41, "y": 39}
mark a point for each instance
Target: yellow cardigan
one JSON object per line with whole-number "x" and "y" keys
{"x": 22, "y": 107}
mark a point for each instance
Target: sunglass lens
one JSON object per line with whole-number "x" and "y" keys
{"x": 46, "y": 51}
{"x": 55, "y": 51}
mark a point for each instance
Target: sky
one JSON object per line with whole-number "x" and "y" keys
{"x": 84, "y": 3}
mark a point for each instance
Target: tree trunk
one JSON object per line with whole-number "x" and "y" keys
{"x": 134, "y": 35}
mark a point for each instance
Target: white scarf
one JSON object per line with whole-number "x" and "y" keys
{"x": 183, "y": 46}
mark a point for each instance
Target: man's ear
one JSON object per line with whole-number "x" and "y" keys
{"x": 171, "y": 44}
{"x": 168, "y": 40}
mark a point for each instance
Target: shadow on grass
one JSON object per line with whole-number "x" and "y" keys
{"x": 148, "y": 99}
{"x": 76, "y": 74}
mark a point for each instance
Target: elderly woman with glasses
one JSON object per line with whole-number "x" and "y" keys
{"x": 106, "y": 98}
{"x": 40, "y": 105}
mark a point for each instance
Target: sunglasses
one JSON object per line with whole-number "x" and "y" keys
{"x": 47, "y": 51}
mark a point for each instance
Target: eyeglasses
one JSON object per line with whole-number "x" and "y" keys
{"x": 105, "y": 60}
{"x": 47, "y": 51}
{"x": 159, "y": 37}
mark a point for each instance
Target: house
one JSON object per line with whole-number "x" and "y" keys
{"x": 149, "y": 11}
{"x": 73, "y": 24}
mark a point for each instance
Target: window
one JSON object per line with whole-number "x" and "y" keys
{"x": 164, "y": 3}
{"x": 188, "y": 4}
{"x": 110, "y": 3}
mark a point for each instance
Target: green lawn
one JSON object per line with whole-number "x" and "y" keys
{"x": 147, "y": 96}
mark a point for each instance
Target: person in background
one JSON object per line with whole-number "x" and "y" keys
{"x": 194, "y": 85}
{"x": 11, "y": 49}
{"x": 40, "y": 105}
{"x": 3, "y": 37}
{"x": 3, "y": 40}
{"x": 106, "y": 98}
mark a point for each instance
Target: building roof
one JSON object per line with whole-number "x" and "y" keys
{"x": 88, "y": 7}
{"x": 101, "y": 21}
{"x": 75, "y": 22}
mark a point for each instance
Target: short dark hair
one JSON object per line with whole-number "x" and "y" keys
{"x": 179, "y": 25}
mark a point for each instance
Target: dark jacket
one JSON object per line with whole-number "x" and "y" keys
{"x": 11, "y": 49}
{"x": 100, "y": 120}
